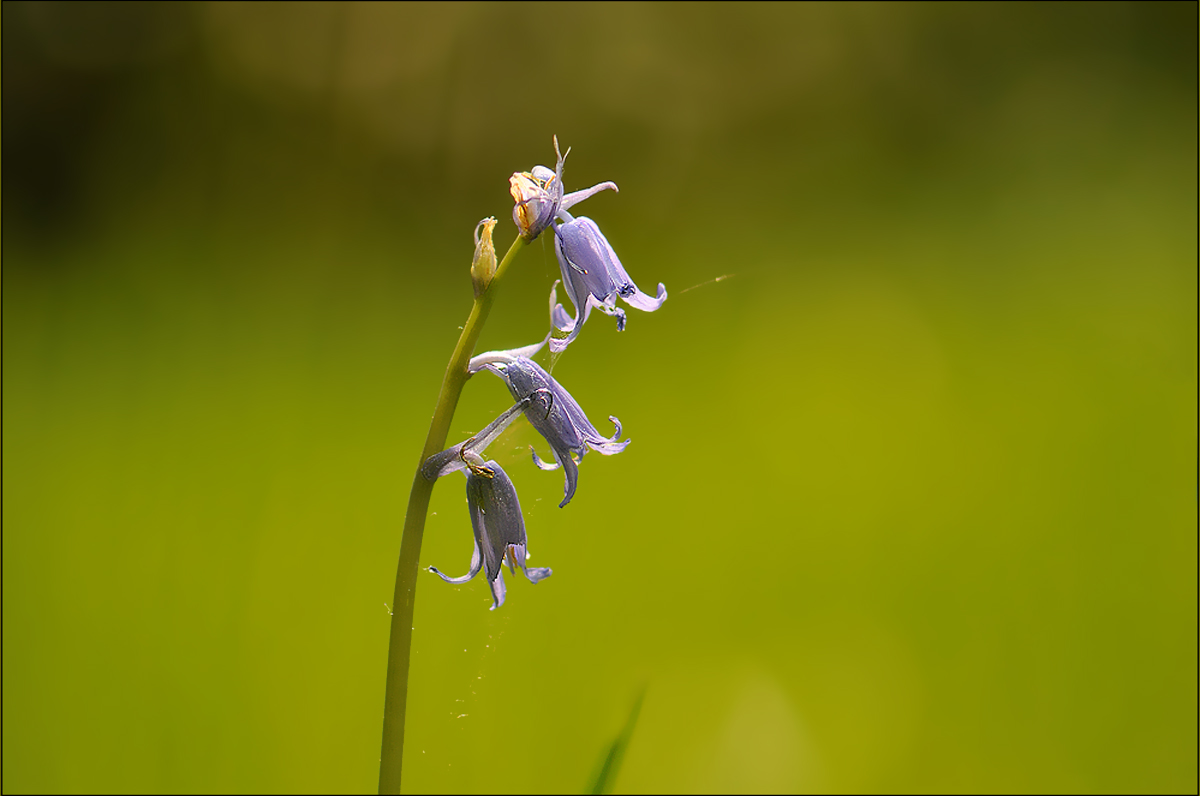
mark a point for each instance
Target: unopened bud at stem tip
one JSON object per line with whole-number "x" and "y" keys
{"x": 483, "y": 264}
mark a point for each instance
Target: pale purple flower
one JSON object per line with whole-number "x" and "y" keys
{"x": 594, "y": 278}
{"x": 495, "y": 511}
{"x": 552, "y": 411}
{"x": 499, "y": 530}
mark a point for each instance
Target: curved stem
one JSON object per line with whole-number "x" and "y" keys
{"x": 396, "y": 696}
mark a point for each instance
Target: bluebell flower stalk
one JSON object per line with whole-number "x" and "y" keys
{"x": 396, "y": 694}
{"x": 594, "y": 279}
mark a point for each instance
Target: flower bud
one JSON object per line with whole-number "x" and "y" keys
{"x": 483, "y": 265}
{"x": 537, "y": 195}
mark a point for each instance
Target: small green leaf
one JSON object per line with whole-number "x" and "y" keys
{"x": 610, "y": 764}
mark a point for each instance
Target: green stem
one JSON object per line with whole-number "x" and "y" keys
{"x": 396, "y": 696}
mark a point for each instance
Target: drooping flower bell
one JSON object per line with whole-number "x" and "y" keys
{"x": 496, "y": 517}
{"x": 594, "y": 278}
{"x": 552, "y": 411}
{"x": 539, "y": 196}
{"x": 499, "y": 531}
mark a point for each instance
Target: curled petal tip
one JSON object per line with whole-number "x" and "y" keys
{"x": 639, "y": 300}
{"x": 538, "y": 573}
{"x": 541, "y": 465}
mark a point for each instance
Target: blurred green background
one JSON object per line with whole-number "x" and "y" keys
{"x": 911, "y": 502}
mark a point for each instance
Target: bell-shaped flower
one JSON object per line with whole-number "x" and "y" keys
{"x": 539, "y": 198}
{"x": 495, "y": 511}
{"x": 499, "y": 531}
{"x": 594, "y": 278}
{"x": 552, "y": 412}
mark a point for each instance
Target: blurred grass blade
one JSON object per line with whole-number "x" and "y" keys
{"x": 610, "y": 765}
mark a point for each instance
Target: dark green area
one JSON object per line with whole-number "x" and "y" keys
{"x": 911, "y": 498}
{"x": 610, "y": 765}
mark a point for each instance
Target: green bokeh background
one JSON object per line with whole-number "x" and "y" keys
{"x": 911, "y": 502}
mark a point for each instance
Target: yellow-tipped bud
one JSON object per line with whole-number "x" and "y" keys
{"x": 537, "y": 194}
{"x": 483, "y": 265}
